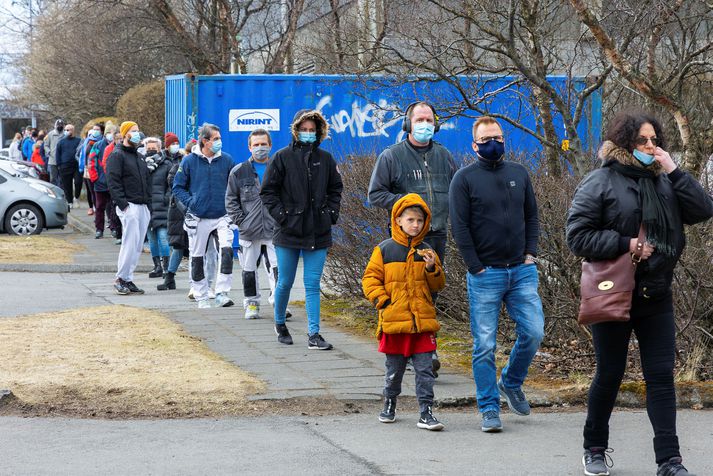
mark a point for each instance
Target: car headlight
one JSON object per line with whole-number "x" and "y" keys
{"x": 43, "y": 189}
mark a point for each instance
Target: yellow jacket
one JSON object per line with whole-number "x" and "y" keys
{"x": 396, "y": 280}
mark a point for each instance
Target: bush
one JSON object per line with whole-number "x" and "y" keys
{"x": 144, "y": 104}
{"x": 361, "y": 228}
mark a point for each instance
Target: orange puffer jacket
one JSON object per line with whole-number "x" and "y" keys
{"x": 396, "y": 280}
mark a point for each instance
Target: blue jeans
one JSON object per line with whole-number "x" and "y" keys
{"x": 517, "y": 288}
{"x": 158, "y": 241}
{"x": 313, "y": 261}
{"x": 175, "y": 260}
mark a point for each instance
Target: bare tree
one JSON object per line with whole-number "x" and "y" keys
{"x": 671, "y": 56}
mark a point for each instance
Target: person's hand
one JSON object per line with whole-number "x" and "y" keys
{"x": 429, "y": 257}
{"x": 664, "y": 158}
{"x": 645, "y": 252}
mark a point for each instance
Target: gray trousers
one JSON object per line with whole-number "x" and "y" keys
{"x": 422, "y": 367}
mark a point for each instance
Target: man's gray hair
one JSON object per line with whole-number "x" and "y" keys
{"x": 207, "y": 130}
{"x": 152, "y": 140}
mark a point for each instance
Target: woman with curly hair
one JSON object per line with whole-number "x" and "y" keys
{"x": 638, "y": 183}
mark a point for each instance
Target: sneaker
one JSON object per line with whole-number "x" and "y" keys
{"x": 317, "y": 342}
{"x": 117, "y": 241}
{"x": 595, "y": 462}
{"x": 428, "y": 421}
{"x": 252, "y": 311}
{"x": 114, "y": 234}
{"x": 90, "y": 212}
{"x": 222, "y": 300}
{"x": 133, "y": 288}
{"x": 283, "y": 335}
{"x": 191, "y": 296}
{"x": 388, "y": 414}
{"x": 491, "y": 422}
{"x": 204, "y": 304}
{"x": 673, "y": 467}
{"x": 436, "y": 364}
{"x": 211, "y": 294}
{"x": 515, "y": 398}
{"x": 288, "y": 313}
{"x": 98, "y": 234}
{"x": 120, "y": 287}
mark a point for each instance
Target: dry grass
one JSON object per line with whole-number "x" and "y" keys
{"x": 37, "y": 249}
{"x": 116, "y": 361}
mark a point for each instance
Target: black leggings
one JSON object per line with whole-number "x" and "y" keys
{"x": 652, "y": 321}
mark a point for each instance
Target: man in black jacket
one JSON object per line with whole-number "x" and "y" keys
{"x": 67, "y": 165}
{"x": 495, "y": 225}
{"x": 128, "y": 180}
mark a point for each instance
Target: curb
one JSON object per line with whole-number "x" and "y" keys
{"x": 79, "y": 225}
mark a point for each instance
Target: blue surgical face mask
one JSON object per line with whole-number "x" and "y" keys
{"x": 423, "y": 132}
{"x": 217, "y": 145}
{"x": 643, "y": 157}
{"x": 109, "y": 137}
{"x": 307, "y": 137}
{"x": 135, "y": 137}
{"x": 491, "y": 150}
{"x": 173, "y": 148}
{"x": 95, "y": 134}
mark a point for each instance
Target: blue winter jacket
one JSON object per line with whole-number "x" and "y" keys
{"x": 200, "y": 185}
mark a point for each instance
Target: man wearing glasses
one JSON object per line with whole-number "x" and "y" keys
{"x": 200, "y": 184}
{"x": 495, "y": 225}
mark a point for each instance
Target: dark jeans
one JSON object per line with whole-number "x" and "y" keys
{"x": 422, "y": 367}
{"x": 102, "y": 200}
{"x": 652, "y": 321}
{"x": 69, "y": 181}
{"x": 54, "y": 175}
{"x": 91, "y": 199}
{"x": 437, "y": 241}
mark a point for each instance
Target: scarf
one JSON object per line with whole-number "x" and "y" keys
{"x": 658, "y": 229}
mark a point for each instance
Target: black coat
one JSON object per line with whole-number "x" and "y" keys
{"x": 127, "y": 177}
{"x": 177, "y": 236}
{"x": 606, "y": 213}
{"x": 160, "y": 194}
{"x": 302, "y": 190}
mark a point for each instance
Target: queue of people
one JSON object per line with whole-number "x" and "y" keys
{"x": 284, "y": 206}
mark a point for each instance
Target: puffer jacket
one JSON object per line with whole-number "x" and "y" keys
{"x": 396, "y": 280}
{"x": 177, "y": 236}
{"x": 606, "y": 213}
{"x": 244, "y": 206}
{"x": 401, "y": 169}
{"x": 160, "y": 193}
{"x": 302, "y": 190}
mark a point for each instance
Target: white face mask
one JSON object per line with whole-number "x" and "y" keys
{"x": 109, "y": 137}
{"x": 173, "y": 148}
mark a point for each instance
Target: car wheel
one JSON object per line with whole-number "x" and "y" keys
{"x": 24, "y": 219}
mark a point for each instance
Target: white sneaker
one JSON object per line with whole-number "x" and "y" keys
{"x": 211, "y": 294}
{"x": 252, "y": 311}
{"x": 222, "y": 300}
{"x": 204, "y": 304}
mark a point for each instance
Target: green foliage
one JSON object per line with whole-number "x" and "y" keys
{"x": 144, "y": 104}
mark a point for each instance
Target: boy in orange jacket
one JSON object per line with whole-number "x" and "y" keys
{"x": 401, "y": 275}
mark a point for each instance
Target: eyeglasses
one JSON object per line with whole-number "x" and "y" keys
{"x": 644, "y": 140}
{"x": 483, "y": 140}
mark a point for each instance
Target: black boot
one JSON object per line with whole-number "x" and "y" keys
{"x": 157, "y": 271}
{"x": 164, "y": 262}
{"x": 169, "y": 281}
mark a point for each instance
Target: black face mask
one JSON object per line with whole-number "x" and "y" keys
{"x": 491, "y": 150}
{"x": 151, "y": 152}
{"x": 59, "y": 128}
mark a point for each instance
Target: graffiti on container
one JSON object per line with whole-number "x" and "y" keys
{"x": 191, "y": 127}
{"x": 368, "y": 120}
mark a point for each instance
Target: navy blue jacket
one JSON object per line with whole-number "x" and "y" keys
{"x": 65, "y": 153}
{"x": 200, "y": 185}
{"x": 493, "y": 214}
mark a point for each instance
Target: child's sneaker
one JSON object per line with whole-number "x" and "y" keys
{"x": 428, "y": 421}
{"x": 388, "y": 414}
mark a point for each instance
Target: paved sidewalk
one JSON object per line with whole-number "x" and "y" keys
{"x": 353, "y": 370}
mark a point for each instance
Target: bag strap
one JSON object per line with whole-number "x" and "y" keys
{"x": 641, "y": 240}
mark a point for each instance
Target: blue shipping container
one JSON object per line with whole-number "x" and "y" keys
{"x": 365, "y": 116}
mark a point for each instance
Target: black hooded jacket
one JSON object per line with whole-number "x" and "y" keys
{"x": 302, "y": 190}
{"x": 128, "y": 177}
{"x": 606, "y": 213}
